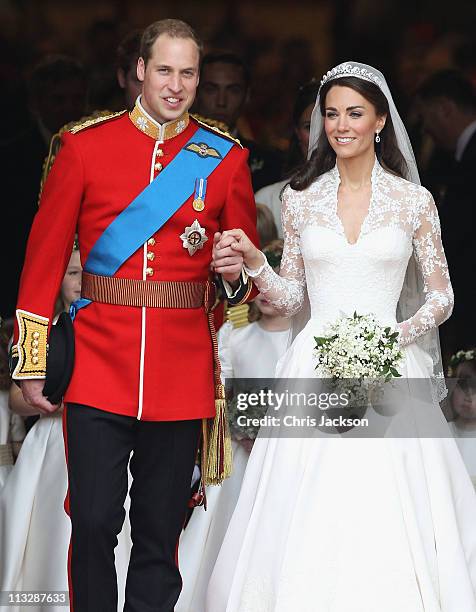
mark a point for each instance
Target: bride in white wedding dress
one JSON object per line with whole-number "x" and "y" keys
{"x": 336, "y": 523}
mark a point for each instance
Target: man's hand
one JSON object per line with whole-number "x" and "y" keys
{"x": 33, "y": 395}
{"x": 230, "y": 244}
{"x": 225, "y": 260}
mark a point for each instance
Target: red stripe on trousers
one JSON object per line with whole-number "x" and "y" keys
{"x": 67, "y": 510}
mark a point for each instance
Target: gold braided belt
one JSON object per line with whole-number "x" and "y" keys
{"x": 153, "y": 294}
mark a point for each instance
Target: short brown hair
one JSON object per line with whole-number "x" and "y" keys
{"x": 128, "y": 51}
{"x": 175, "y": 28}
{"x": 265, "y": 224}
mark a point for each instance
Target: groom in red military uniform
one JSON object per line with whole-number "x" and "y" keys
{"x": 146, "y": 192}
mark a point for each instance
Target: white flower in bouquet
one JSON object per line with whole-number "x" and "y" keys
{"x": 358, "y": 347}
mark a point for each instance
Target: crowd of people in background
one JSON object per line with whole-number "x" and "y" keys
{"x": 440, "y": 112}
{"x": 441, "y": 115}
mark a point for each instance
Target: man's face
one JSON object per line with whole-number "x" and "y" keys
{"x": 436, "y": 118}
{"x": 303, "y": 129}
{"x": 61, "y": 103}
{"x": 222, "y": 93}
{"x": 170, "y": 79}
{"x": 130, "y": 84}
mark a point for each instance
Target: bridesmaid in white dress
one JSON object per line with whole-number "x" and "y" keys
{"x": 12, "y": 428}
{"x": 246, "y": 352}
{"x": 339, "y": 523}
{"x": 270, "y": 195}
{"x": 463, "y": 404}
{"x": 34, "y": 527}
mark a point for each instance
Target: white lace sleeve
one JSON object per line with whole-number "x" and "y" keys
{"x": 286, "y": 289}
{"x": 430, "y": 256}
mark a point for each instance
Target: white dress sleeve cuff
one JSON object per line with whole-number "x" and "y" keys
{"x": 230, "y": 292}
{"x": 256, "y": 271}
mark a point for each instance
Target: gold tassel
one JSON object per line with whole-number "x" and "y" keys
{"x": 218, "y": 457}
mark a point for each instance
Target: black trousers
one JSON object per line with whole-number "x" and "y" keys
{"x": 99, "y": 445}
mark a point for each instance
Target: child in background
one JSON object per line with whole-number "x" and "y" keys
{"x": 270, "y": 195}
{"x": 267, "y": 230}
{"x": 12, "y": 428}
{"x": 246, "y": 352}
{"x": 70, "y": 291}
{"x": 463, "y": 403}
{"x": 35, "y": 529}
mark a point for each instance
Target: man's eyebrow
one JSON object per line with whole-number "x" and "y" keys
{"x": 158, "y": 65}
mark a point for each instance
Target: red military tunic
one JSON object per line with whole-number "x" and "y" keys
{"x": 151, "y": 363}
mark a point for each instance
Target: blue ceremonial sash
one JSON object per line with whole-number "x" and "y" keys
{"x": 154, "y": 206}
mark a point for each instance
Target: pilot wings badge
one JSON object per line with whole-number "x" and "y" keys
{"x": 203, "y": 150}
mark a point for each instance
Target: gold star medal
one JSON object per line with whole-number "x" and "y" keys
{"x": 193, "y": 237}
{"x": 200, "y": 191}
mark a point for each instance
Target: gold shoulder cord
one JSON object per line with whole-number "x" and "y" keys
{"x": 216, "y": 126}
{"x": 73, "y": 127}
{"x": 93, "y": 119}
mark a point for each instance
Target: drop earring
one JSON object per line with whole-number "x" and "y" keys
{"x": 377, "y": 137}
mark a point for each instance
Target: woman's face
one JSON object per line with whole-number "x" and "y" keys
{"x": 463, "y": 398}
{"x": 302, "y": 129}
{"x": 71, "y": 286}
{"x": 350, "y": 122}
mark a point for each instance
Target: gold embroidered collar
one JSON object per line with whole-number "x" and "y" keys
{"x": 145, "y": 123}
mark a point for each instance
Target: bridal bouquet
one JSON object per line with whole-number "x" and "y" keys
{"x": 358, "y": 347}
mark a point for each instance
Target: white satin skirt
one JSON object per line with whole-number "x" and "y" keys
{"x": 346, "y": 524}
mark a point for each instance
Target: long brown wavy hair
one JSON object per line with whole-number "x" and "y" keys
{"x": 323, "y": 157}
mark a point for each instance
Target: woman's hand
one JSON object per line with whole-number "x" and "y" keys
{"x": 230, "y": 249}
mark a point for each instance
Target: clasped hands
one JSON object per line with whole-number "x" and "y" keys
{"x": 231, "y": 249}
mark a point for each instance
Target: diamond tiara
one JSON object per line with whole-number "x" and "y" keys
{"x": 343, "y": 70}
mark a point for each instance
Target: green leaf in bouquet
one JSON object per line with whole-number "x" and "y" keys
{"x": 395, "y": 372}
{"x": 321, "y": 341}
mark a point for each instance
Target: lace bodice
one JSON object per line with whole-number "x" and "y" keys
{"x": 368, "y": 275}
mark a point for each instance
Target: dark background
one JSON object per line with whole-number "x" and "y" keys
{"x": 284, "y": 42}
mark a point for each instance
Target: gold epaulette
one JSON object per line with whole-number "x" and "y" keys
{"x": 216, "y": 126}
{"x": 94, "y": 120}
{"x": 237, "y": 315}
{"x": 55, "y": 142}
